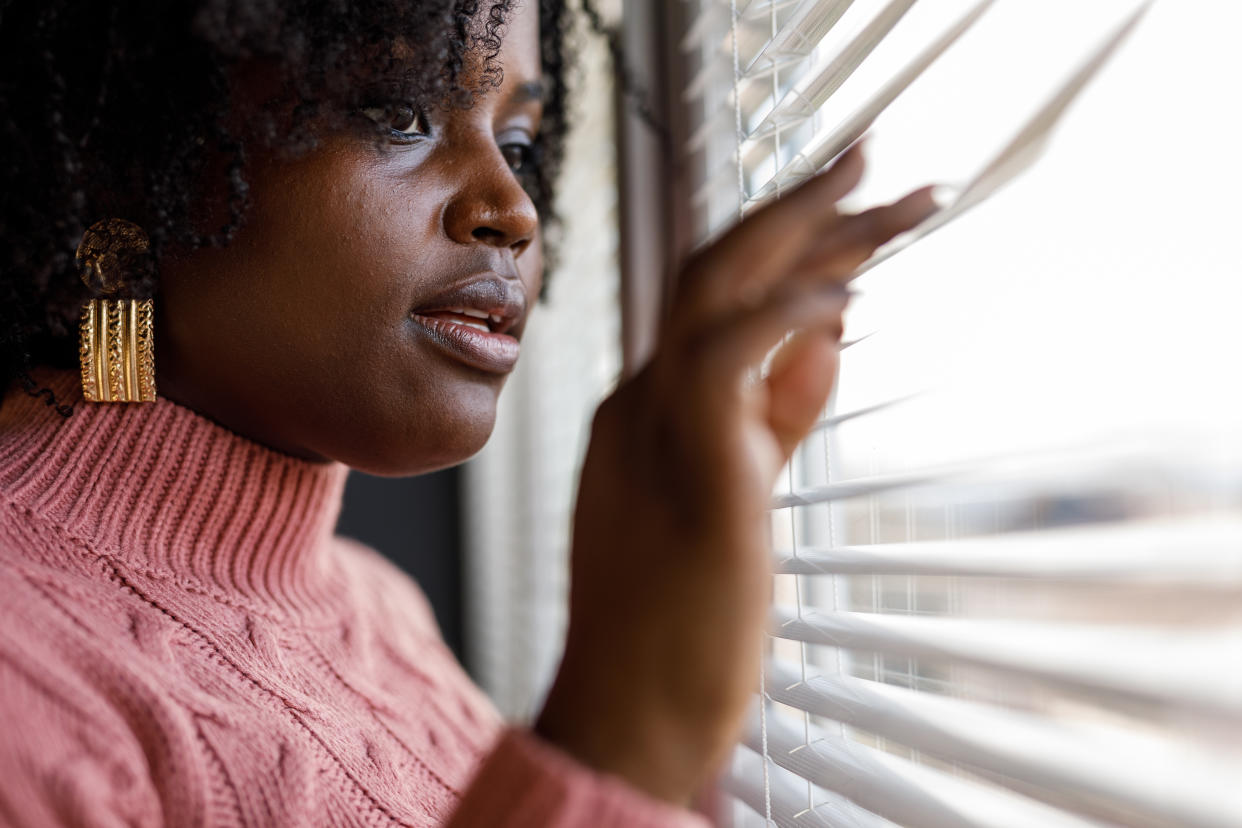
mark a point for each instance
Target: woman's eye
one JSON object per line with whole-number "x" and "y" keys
{"x": 516, "y": 155}
{"x": 402, "y": 118}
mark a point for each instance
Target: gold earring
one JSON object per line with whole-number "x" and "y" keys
{"x": 116, "y": 337}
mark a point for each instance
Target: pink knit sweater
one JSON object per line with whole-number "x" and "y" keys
{"x": 184, "y": 642}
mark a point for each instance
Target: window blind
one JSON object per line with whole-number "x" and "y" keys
{"x": 1008, "y": 560}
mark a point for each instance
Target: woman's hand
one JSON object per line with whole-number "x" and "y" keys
{"x": 670, "y": 581}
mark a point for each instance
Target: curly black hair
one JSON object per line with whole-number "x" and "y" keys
{"x": 121, "y": 110}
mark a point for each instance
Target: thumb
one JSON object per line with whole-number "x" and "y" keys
{"x": 801, "y": 377}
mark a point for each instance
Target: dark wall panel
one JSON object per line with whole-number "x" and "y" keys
{"x": 414, "y": 521}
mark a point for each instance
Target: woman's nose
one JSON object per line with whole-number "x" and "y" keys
{"x": 490, "y": 206}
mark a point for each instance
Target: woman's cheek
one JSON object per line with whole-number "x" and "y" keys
{"x": 530, "y": 266}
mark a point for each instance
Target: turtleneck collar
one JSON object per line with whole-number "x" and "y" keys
{"x": 161, "y": 486}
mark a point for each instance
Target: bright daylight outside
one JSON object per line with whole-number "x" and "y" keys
{"x": 1009, "y": 556}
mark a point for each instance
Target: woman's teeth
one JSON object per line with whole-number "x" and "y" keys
{"x": 468, "y": 318}
{"x": 478, "y": 326}
{"x": 471, "y": 318}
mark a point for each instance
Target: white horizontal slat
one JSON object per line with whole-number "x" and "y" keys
{"x": 899, "y": 790}
{"x": 788, "y": 809}
{"x": 1192, "y": 671}
{"x": 850, "y": 343}
{"x": 787, "y": 793}
{"x": 1099, "y": 771}
{"x": 1022, "y": 151}
{"x": 810, "y": 93}
{"x": 721, "y": 65}
{"x": 717, "y": 63}
{"x": 1028, "y": 144}
{"x": 793, "y": 40}
{"x": 859, "y": 487}
{"x": 837, "y": 419}
{"x": 1081, "y": 471}
{"x": 712, "y": 27}
{"x": 1205, "y": 552}
{"x": 801, "y": 32}
{"x": 829, "y": 144}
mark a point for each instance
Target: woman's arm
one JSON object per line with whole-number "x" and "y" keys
{"x": 670, "y": 581}
{"x": 526, "y": 783}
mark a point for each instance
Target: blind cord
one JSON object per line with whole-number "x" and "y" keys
{"x": 741, "y": 208}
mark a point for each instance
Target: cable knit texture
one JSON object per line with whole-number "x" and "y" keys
{"x": 184, "y": 642}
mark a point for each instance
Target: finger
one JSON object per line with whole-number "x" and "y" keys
{"x": 835, "y": 256}
{"x": 734, "y": 345}
{"x": 740, "y": 266}
{"x": 801, "y": 377}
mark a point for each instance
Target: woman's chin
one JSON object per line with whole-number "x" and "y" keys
{"x": 424, "y": 445}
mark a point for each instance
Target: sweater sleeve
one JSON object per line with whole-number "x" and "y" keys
{"x": 528, "y": 783}
{"x": 61, "y": 766}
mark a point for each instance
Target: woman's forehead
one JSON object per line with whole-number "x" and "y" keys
{"x": 519, "y": 51}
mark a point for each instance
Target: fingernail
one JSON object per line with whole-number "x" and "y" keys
{"x": 841, "y": 293}
{"x": 945, "y": 195}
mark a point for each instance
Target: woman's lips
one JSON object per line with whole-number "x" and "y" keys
{"x": 465, "y": 340}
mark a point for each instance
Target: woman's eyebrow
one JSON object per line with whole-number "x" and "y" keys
{"x": 528, "y": 91}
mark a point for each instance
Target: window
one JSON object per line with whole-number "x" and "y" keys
{"x": 1009, "y": 561}
{"x": 1010, "y": 558}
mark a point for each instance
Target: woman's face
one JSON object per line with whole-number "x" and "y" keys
{"x": 331, "y": 327}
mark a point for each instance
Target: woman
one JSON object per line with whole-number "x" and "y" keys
{"x": 343, "y": 204}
